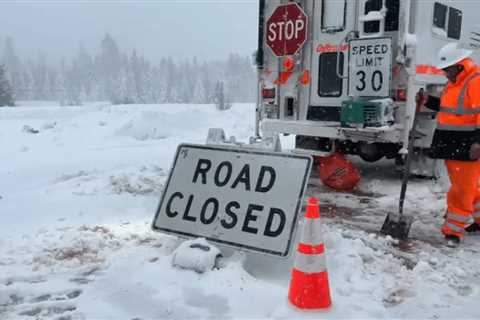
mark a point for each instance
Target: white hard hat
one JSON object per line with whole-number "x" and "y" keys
{"x": 451, "y": 54}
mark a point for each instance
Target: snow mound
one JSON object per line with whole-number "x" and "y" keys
{"x": 137, "y": 185}
{"x": 83, "y": 246}
{"x": 197, "y": 255}
{"x": 90, "y": 246}
{"x": 155, "y": 125}
{"x": 135, "y": 181}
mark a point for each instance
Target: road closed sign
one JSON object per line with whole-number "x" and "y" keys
{"x": 370, "y": 67}
{"x": 243, "y": 198}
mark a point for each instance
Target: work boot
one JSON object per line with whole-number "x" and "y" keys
{"x": 474, "y": 227}
{"x": 452, "y": 241}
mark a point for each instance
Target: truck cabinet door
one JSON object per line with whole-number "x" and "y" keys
{"x": 333, "y": 19}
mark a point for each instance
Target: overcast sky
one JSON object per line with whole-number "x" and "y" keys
{"x": 207, "y": 29}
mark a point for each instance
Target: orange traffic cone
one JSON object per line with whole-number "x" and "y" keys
{"x": 309, "y": 287}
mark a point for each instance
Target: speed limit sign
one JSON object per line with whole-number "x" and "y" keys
{"x": 370, "y": 67}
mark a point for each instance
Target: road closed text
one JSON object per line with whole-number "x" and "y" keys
{"x": 250, "y": 218}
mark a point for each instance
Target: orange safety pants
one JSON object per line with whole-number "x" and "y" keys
{"x": 463, "y": 198}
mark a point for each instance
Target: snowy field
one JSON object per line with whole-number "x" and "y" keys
{"x": 79, "y": 187}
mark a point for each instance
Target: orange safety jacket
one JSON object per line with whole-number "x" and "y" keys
{"x": 458, "y": 125}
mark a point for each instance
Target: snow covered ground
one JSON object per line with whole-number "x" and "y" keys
{"x": 79, "y": 187}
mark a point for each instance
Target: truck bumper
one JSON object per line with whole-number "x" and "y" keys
{"x": 333, "y": 130}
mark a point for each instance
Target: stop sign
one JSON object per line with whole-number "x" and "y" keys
{"x": 287, "y": 29}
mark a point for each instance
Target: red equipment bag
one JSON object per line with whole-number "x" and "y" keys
{"x": 337, "y": 172}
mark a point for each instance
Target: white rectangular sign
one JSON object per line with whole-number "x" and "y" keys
{"x": 370, "y": 67}
{"x": 240, "y": 197}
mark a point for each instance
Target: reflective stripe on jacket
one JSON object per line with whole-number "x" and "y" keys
{"x": 458, "y": 117}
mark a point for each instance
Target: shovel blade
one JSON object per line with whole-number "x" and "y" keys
{"x": 397, "y": 226}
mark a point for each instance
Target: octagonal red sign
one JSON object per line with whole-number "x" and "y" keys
{"x": 287, "y": 29}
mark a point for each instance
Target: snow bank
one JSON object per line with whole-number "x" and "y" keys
{"x": 146, "y": 125}
{"x": 157, "y": 125}
{"x": 78, "y": 197}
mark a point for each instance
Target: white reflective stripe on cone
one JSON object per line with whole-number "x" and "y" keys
{"x": 312, "y": 232}
{"x": 457, "y": 217}
{"x": 454, "y": 227}
{"x": 310, "y": 263}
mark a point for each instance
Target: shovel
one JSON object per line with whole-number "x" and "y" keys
{"x": 398, "y": 225}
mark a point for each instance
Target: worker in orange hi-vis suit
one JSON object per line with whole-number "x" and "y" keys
{"x": 457, "y": 139}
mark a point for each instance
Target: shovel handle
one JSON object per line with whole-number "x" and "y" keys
{"x": 408, "y": 160}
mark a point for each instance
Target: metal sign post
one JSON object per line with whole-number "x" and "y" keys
{"x": 248, "y": 199}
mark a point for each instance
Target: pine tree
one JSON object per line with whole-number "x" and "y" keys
{"x": 199, "y": 92}
{"x": 73, "y": 85}
{"x": 240, "y": 78}
{"x": 221, "y": 100}
{"x": 60, "y": 85}
{"x": 13, "y": 67}
{"x": 26, "y": 92}
{"x": 171, "y": 79}
{"x": 140, "y": 77}
{"x": 109, "y": 69}
{"x": 160, "y": 81}
{"x": 206, "y": 80}
{"x": 6, "y": 95}
{"x": 85, "y": 74}
{"x": 40, "y": 77}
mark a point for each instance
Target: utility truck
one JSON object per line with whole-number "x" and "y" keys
{"x": 342, "y": 75}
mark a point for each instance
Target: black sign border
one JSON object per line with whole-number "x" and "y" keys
{"x": 390, "y": 67}
{"x": 283, "y": 254}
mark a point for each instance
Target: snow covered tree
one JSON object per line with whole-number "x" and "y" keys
{"x": 205, "y": 78}
{"x": 240, "y": 78}
{"x": 60, "y": 85}
{"x": 199, "y": 92}
{"x": 108, "y": 68}
{"x": 221, "y": 101}
{"x": 6, "y": 95}
{"x": 150, "y": 90}
{"x": 26, "y": 91}
{"x": 160, "y": 81}
{"x": 184, "y": 83}
{"x": 40, "y": 77}
{"x": 73, "y": 85}
{"x": 85, "y": 73}
{"x": 13, "y": 66}
{"x": 171, "y": 79}
{"x": 140, "y": 70}
{"x": 124, "y": 91}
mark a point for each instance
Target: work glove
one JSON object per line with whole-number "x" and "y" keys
{"x": 475, "y": 151}
{"x": 421, "y": 98}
